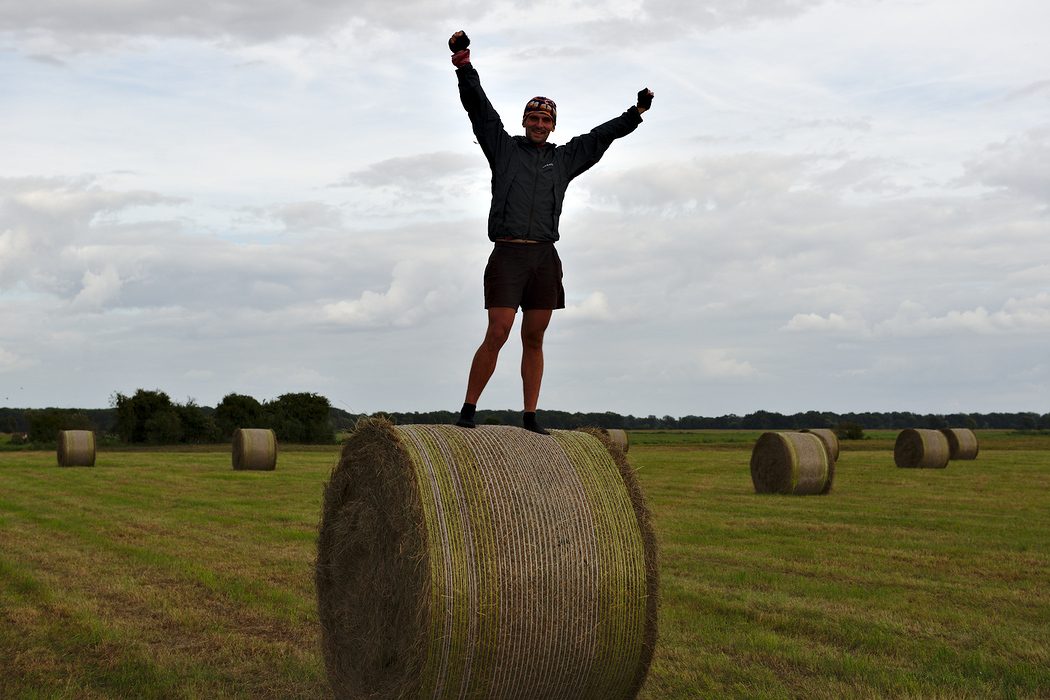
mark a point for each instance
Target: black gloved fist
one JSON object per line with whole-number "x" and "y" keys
{"x": 645, "y": 98}
{"x": 458, "y": 42}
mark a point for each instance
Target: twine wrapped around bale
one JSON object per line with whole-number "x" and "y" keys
{"x": 76, "y": 448}
{"x": 791, "y": 463}
{"x": 920, "y": 448}
{"x": 962, "y": 443}
{"x": 484, "y": 563}
{"x": 255, "y": 449}
{"x": 830, "y": 439}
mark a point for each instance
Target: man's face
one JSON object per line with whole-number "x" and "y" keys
{"x": 538, "y": 126}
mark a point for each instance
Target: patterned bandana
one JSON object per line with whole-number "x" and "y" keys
{"x": 542, "y": 105}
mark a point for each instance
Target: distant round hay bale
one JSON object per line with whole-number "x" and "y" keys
{"x": 919, "y": 448}
{"x": 487, "y": 563}
{"x": 255, "y": 449}
{"x": 962, "y": 443}
{"x": 831, "y": 441}
{"x": 791, "y": 463}
{"x": 618, "y": 437}
{"x": 76, "y": 448}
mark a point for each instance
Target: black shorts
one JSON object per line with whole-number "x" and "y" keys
{"x": 524, "y": 274}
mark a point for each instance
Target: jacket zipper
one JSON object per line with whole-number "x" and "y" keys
{"x": 535, "y": 183}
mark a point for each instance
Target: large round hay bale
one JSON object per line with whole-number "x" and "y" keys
{"x": 255, "y": 449}
{"x": 484, "y": 563}
{"x": 962, "y": 443}
{"x": 920, "y": 448}
{"x": 791, "y": 463}
{"x": 76, "y": 448}
{"x": 830, "y": 439}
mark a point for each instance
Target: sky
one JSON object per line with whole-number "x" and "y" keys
{"x": 837, "y": 205}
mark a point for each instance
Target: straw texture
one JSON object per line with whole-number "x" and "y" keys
{"x": 484, "y": 563}
{"x": 254, "y": 449}
{"x": 791, "y": 463}
{"x": 920, "y": 448}
{"x": 830, "y": 439}
{"x": 76, "y": 448}
{"x": 962, "y": 443}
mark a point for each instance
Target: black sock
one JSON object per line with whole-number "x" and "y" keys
{"x": 530, "y": 423}
{"x": 466, "y": 416}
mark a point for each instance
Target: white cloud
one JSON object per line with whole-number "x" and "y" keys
{"x": 912, "y": 320}
{"x": 700, "y": 184}
{"x": 418, "y": 289}
{"x": 244, "y": 20}
{"x": 98, "y": 289}
{"x": 421, "y": 173}
{"x": 302, "y": 216}
{"x": 833, "y": 323}
{"x": 594, "y": 308}
{"x": 8, "y": 360}
{"x": 1020, "y": 164}
{"x": 828, "y": 201}
{"x": 715, "y": 364}
{"x": 41, "y": 218}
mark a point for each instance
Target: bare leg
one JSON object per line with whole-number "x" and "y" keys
{"x": 533, "y": 325}
{"x": 501, "y": 319}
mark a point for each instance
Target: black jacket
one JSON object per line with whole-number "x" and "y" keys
{"x": 529, "y": 181}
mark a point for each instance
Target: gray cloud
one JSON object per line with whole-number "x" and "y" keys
{"x": 427, "y": 172}
{"x": 44, "y": 219}
{"x": 99, "y": 26}
{"x": 243, "y": 20}
{"x": 1020, "y": 164}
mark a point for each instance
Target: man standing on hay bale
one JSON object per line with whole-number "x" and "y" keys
{"x": 529, "y": 178}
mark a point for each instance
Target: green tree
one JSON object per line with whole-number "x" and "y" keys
{"x": 163, "y": 428}
{"x": 45, "y": 425}
{"x": 849, "y": 431}
{"x": 237, "y": 411}
{"x": 301, "y": 419}
{"x": 197, "y": 428}
{"x": 133, "y": 412}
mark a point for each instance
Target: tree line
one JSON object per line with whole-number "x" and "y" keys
{"x": 152, "y": 418}
{"x": 759, "y": 420}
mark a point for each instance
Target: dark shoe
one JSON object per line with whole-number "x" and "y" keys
{"x": 466, "y": 416}
{"x": 529, "y": 421}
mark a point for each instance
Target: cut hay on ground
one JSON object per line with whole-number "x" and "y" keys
{"x": 255, "y": 449}
{"x": 484, "y": 563}
{"x": 76, "y": 448}
{"x": 962, "y": 443}
{"x": 791, "y": 463}
{"x": 831, "y": 441}
{"x": 919, "y": 448}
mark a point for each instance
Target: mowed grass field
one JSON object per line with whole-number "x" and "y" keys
{"x": 165, "y": 574}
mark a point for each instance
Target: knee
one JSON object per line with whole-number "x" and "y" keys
{"x": 497, "y": 335}
{"x": 533, "y": 340}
